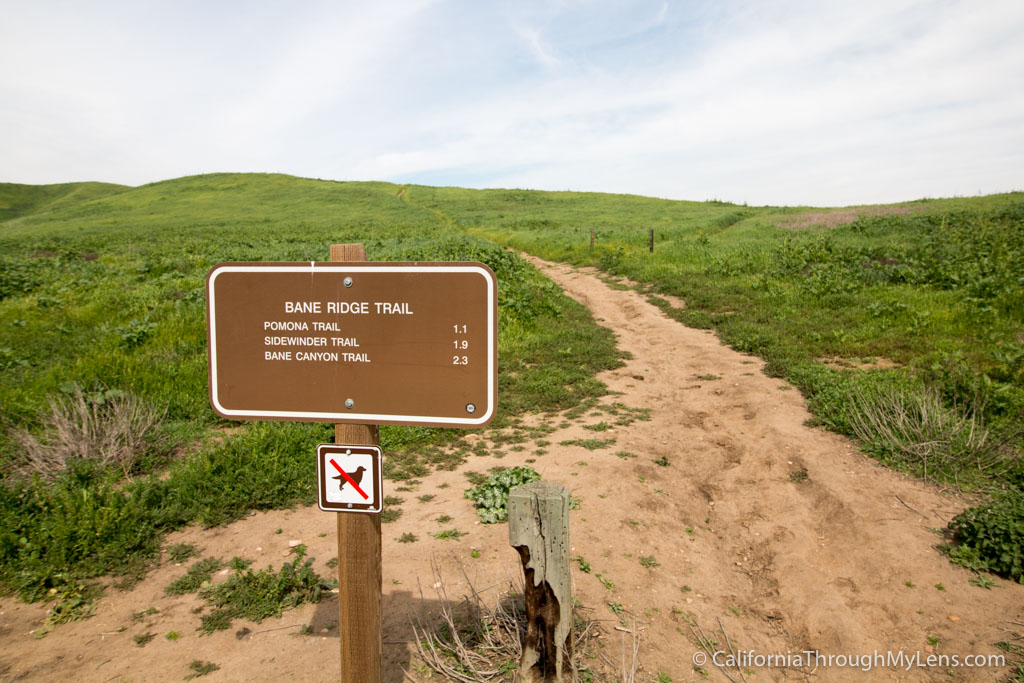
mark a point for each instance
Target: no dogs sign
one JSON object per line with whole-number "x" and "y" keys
{"x": 349, "y": 478}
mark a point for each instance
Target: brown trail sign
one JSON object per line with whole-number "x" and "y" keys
{"x": 359, "y": 342}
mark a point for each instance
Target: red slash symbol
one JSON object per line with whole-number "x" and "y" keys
{"x": 349, "y": 480}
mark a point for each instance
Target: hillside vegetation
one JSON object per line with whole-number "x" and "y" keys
{"x": 903, "y": 326}
{"x": 18, "y": 200}
{"x": 103, "y": 349}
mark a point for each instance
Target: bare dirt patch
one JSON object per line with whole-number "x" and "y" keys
{"x": 723, "y": 510}
{"x": 834, "y": 217}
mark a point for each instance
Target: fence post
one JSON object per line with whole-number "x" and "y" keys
{"x": 538, "y": 528}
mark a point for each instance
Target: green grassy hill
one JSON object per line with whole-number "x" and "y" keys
{"x": 102, "y": 302}
{"x": 19, "y": 200}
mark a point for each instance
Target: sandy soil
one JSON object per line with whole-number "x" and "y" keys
{"x": 769, "y": 535}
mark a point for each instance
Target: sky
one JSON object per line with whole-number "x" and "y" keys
{"x": 782, "y": 102}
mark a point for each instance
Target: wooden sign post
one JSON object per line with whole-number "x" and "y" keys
{"x": 359, "y": 344}
{"x": 359, "y": 556}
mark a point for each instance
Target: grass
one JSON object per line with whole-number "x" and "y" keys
{"x": 901, "y": 325}
{"x": 449, "y": 535}
{"x": 909, "y": 288}
{"x": 144, "y": 639}
{"x": 589, "y": 444}
{"x": 471, "y": 641}
{"x": 93, "y": 300}
{"x": 179, "y": 552}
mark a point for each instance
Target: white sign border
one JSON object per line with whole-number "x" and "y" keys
{"x": 348, "y": 416}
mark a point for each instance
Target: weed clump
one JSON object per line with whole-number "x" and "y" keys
{"x": 258, "y": 595}
{"x": 197, "y": 576}
{"x": 111, "y": 428}
{"x": 491, "y": 497}
{"x": 74, "y": 602}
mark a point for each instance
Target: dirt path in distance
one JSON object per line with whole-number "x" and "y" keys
{"x": 722, "y": 512}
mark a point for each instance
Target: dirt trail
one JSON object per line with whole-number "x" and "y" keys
{"x": 747, "y": 519}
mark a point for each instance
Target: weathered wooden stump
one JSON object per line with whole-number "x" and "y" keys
{"x": 538, "y": 527}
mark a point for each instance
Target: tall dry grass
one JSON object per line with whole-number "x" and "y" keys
{"x": 915, "y": 429}
{"x": 116, "y": 431}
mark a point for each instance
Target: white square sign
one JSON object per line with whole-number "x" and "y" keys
{"x": 349, "y": 478}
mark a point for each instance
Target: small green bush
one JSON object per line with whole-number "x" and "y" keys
{"x": 258, "y": 595}
{"x": 992, "y": 536}
{"x": 491, "y": 497}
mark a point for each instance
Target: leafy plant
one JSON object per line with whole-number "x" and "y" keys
{"x": 390, "y": 515}
{"x": 589, "y": 444}
{"x": 491, "y": 497}
{"x": 73, "y": 602}
{"x": 991, "y": 536}
{"x": 198, "y": 574}
{"x": 258, "y": 595}
{"x": 649, "y": 561}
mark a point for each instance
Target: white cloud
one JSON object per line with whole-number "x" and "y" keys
{"x": 779, "y": 102}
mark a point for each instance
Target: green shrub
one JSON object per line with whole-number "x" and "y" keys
{"x": 491, "y": 497}
{"x": 86, "y": 523}
{"x": 992, "y": 536}
{"x": 80, "y": 526}
{"x": 258, "y": 595}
